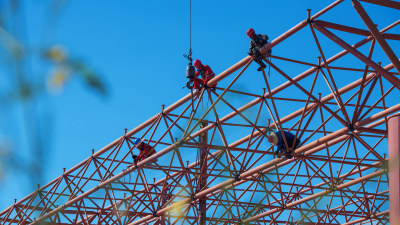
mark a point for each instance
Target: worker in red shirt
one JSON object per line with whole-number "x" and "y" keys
{"x": 205, "y": 72}
{"x": 145, "y": 151}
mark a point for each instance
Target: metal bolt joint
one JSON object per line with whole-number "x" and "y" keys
{"x": 350, "y": 127}
{"x": 237, "y": 177}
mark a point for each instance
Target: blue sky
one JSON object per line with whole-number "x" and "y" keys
{"x": 137, "y": 47}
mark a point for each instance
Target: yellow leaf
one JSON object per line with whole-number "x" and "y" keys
{"x": 57, "y": 53}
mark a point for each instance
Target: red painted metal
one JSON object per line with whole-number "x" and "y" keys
{"x": 202, "y": 179}
{"x": 394, "y": 168}
{"x": 354, "y": 30}
{"x": 394, "y": 80}
{"x": 377, "y": 35}
{"x": 387, "y": 3}
{"x": 337, "y": 176}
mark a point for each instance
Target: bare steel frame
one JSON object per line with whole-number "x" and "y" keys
{"x": 339, "y": 174}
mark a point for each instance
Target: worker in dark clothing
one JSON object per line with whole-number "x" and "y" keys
{"x": 145, "y": 151}
{"x": 205, "y": 72}
{"x": 257, "y": 42}
{"x": 276, "y": 139}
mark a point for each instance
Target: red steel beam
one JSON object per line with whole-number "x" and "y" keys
{"x": 226, "y": 72}
{"x": 387, "y": 3}
{"x": 349, "y": 202}
{"x": 343, "y": 90}
{"x": 325, "y": 99}
{"x": 169, "y": 109}
{"x": 377, "y": 116}
{"x": 332, "y": 59}
{"x": 317, "y": 195}
{"x": 274, "y": 162}
{"x": 321, "y": 184}
{"x": 391, "y": 78}
{"x": 177, "y": 104}
{"x": 282, "y": 163}
{"x": 222, "y": 76}
{"x": 278, "y": 40}
{"x": 200, "y": 194}
{"x": 394, "y": 169}
{"x": 377, "y": 35}
{"x": 368, "y": 120}
{"x": 298, "y": 27}
{"x": 354, "y": 30}
{"x": 203, "y": 139}
{"x": 376, "y": 215}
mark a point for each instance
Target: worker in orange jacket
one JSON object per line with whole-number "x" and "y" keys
{"x": 205, "y": 72}
{"x": 145, "y": 151}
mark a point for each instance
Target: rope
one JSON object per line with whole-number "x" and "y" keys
{"x": 130, "y": 178}
{"x": 269, "y": 66}
{"x": 270, "y": 114}
{"x": 189, "y": 56}
{"x": 198, "y": 167}
{"x": 190, "y": 25}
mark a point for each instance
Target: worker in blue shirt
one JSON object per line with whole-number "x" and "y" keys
{"x": 275, "y": 138}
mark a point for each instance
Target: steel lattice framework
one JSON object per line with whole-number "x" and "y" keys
{"x": 213, "y": 164}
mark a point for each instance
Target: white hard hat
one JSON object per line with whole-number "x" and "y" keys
{"x": 273, "y": 138}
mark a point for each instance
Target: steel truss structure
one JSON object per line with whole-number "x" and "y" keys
{"x": 213, "y": 163}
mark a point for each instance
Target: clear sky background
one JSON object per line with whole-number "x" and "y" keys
{"x": 136, "y": 47}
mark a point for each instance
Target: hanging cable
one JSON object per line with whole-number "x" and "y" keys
{"x": 190, "y": 71}
{"x": 190, "y": 29}
{"x": 189, "y": 56}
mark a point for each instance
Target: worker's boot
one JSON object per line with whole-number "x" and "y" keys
{"x": 262, "y": 66}
{"x": 261, "y": 63}
{"x": 134, "y": 157}
{"x": 277, "y": 154}
{"x": 289, "y": 154}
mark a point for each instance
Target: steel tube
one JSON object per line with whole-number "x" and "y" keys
{"x": 169, "y": 109}
{"x": 376, "y": 215}
{"x": 377, "y": 35}
{"x": 394, "y": 169}
{"x": 386, "y": 3}
{"x": 203, "y": 139}
{"x": 180, "y": 102}
{"x": 298, "y": 27}
{"x": 235, "y": 68}
{"x": 377, "y": 116}
{"x": 200, "y": 194}
{"x": 391, "y": 78}
{"x": 319, "y": 194}
{"x": 325, "y": 99}
{"x": 343, "y": 90}
{"x": 264, "y": 166}
{"x": 354, "y": 30}
{"x": 186, "y": 98}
